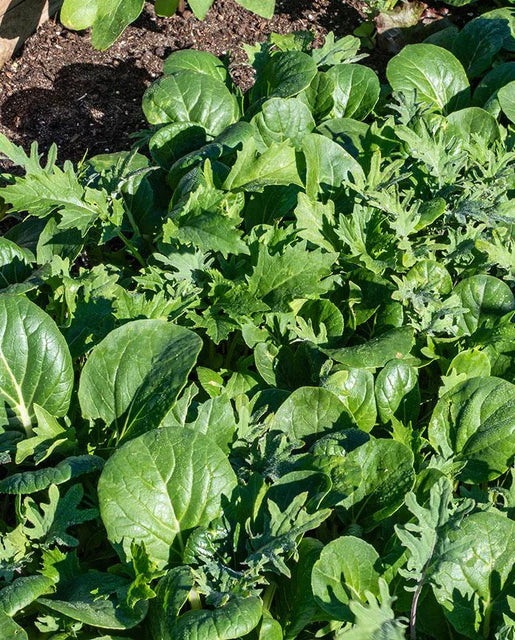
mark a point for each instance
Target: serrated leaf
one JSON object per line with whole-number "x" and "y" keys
{"x": 297, "y": 273}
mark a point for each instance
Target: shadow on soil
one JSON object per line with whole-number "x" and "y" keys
{"x": 104, "y": 100}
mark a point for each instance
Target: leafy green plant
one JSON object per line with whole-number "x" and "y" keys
{"x": 108, "y": 19}
{"x": 257, "y": 372}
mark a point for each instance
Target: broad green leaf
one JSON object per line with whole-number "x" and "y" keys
{"x": 471, "y": 362}
{"x": 283, "y": 119}
{"x": 506, "y": 97}
{"x": 265, "y": 359}
{"x": 311, "y": 411}
{"x": 34, "y": 280}
{"x": 53, "y": 241}
{"x": 173, "y": 141}
{"x": 215, "y": 418}
{"x": 269, "y": 628}
{"x": 166, "y": 7}
{"x": 443, "y": 38}
{"x": 397, "y": 392}
{"x": 355, "y": 388}
{"x": 133, "y": 377}
{"x": 26, "y": 233}
{"x": 199, "y": 61}
{"x": 328, "y": 165}
{"x": 286, "y": 74}
{"x": 474, "y": 421}
{"x": 49, "y": 436}
{"x": 11, "y": 629}
{"x": 96, "y": 599}
{"x": 26, "y": 482}
{"x": 230, "y": 621}
{"x": 478, "y": 42}
{"x": 273, "y": 203}
{"x": 253, "y": 171}
{"x": 347, "y": 132}
{"x": 200, "y": 7}
{"x": 22, "y": 592}
{"x": 229, "y": 141}
{"x": 207, "y": 230}
{"x": 159, "y": 486}
{"x": 356, "y": 90}
{"x": 434, "y": 73}
{"x": 430, "y": 277}
{"x": 348, "y": 567}
{"x": 35, "y": 363}
{"x": 297, "y": 606}
{"x": 318, "y": 96}
{"x": 376, "y": 352}
{"x": 78, "y": 15}
{"x": 506, "y": 17}
{"x": 474, "y": 121}
{"x": 313, "y": 484}
{"x": 485, "y": 94}
{"x": 189, "y": 96}
{"x": 323, "y": 316}
{"x": 370, "y": 481}
{"x": 474, "y": 585}
{"x": 14, "y": 263}
{"x": 486, "y": 299}
{"x": 111, "y": 20}
{"x": 263, "y": 8}
{"x": 430, "y": 211}
{"x": 172, "y": 593}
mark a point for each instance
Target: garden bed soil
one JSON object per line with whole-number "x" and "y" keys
{"x": 59, "y": 89}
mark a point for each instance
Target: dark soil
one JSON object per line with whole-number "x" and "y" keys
{"x": 59, "y": 89}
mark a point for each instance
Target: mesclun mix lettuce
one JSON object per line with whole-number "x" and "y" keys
{"x": 257, "y": 373}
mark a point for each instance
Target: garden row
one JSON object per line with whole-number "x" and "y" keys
{"x": 257, "y": 372}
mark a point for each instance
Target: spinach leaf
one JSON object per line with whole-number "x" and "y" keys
{"x": 157, "y": 487}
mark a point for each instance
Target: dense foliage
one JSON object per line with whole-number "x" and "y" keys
{"x": 258, "y": 372}
{"x": 108, "y": 19}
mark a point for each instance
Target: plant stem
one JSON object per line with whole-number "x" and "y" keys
{"x": 486, "y": 620}
{"x": 133, "y": 223}
{"x": 268, "y": 596}
{"x": 416, "y": 596}
{"x": 131, "y": 247}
